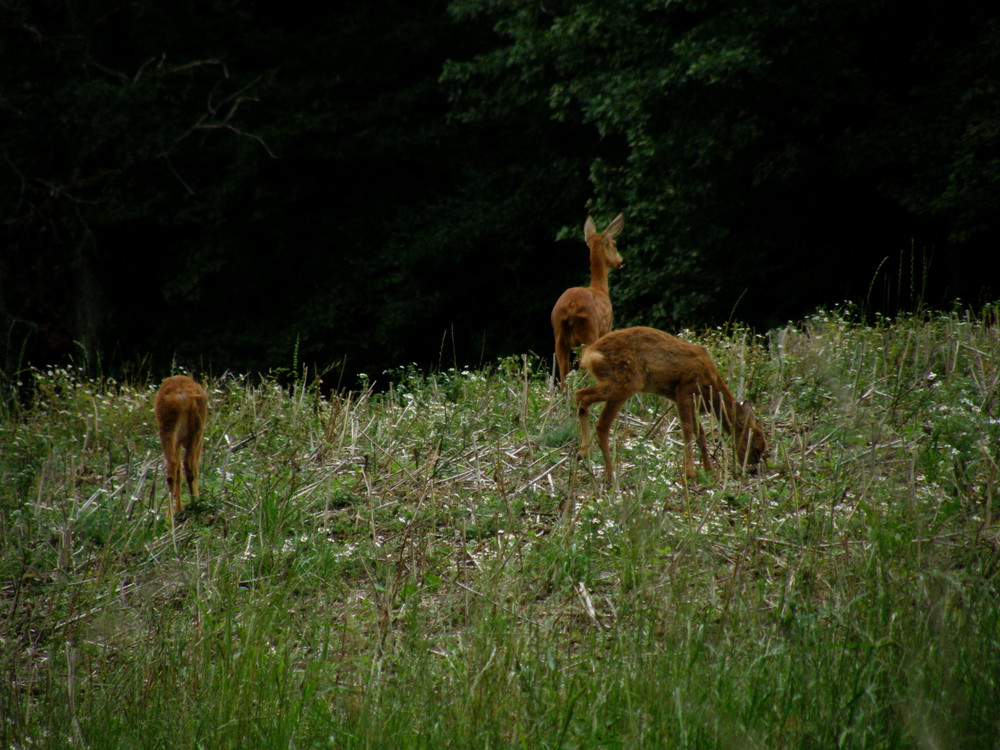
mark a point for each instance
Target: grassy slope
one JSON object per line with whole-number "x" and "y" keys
{"x": 430, "y": 567}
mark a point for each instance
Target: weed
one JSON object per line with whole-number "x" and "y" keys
{"x": 430, "y": 566}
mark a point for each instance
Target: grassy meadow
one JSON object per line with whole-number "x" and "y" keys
{"x": 430, "y": 566}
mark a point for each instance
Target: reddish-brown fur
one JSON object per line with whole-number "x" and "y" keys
{"x": 583, "y": 314}
{"x": 181, "y": 408}
{"x": 634, "y": 360}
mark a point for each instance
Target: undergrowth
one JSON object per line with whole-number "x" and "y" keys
{"x": 431, "y": 566}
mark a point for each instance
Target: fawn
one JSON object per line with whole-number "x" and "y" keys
{"x": 181, "y": 407}
{"x": 583, "y": 314}
{"x": 634, "y": 360}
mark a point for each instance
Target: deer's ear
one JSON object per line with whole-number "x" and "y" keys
{"x": 589, "y": 230}
{"x": 616, "y": 226}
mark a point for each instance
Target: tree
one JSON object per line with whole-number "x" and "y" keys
{"x": 106, "y": 137}
{"x": 231, "y": 186}
{"x": 768, "y": 155}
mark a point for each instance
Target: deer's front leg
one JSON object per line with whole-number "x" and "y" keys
{"x": 689, "y": 425}
{"x": 604, "y": 422}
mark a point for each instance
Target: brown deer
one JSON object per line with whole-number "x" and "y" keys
{"x": 583, "y": 313}
{"x": 181, "y": 408}
{"x": 634, "y": 360}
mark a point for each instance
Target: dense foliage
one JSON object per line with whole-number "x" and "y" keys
{"x": 244, "y": 185}
{"x": 430, "y": 566}
{"x": 232, "y": 185}
{"x": 770, "y": 155}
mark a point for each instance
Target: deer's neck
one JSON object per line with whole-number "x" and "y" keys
{"x": 726, "y": 410}
{"x": 598, "y": 271}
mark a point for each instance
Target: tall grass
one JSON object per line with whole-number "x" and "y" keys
{"x": 432, "y": 567}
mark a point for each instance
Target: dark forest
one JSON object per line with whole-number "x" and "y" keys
{"x": 223, "y": 185}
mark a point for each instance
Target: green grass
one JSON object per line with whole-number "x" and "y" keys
{"x": 431, "y": 567}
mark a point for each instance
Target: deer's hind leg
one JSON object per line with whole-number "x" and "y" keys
{"x": 192, "y": 458}
{"x": 192, "y": 454}
{"x": 171, "y": 457}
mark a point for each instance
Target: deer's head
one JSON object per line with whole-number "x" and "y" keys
{"x": 602, "y": 244}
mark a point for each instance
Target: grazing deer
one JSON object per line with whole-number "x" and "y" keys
{"x": 583, "y": 313}
{"x": 634, "y": 360}
{"x": 181, "y": 408}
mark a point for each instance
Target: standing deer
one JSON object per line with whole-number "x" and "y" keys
{"x": 583, "y": 313}
{"x": 181, "y": 408}
{"x": 634, "y": 360}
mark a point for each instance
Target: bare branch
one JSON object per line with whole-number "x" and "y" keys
{"x": 196, "y": 64}
{"x": 170, "y": 165}
{"x": 145, "y": 65}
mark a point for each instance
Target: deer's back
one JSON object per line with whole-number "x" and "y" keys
{"x": 583, "y": 313}
{"x": 181, "y": 405}
{"x": 650, "y": 360}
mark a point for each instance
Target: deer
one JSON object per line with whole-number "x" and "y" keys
{"x": 181, "y": 408}
{"x": 646, "y": 360}
{"x": 583, "y": 314}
